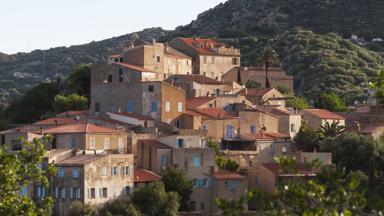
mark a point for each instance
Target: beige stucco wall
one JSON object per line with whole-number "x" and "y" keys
{"x": 174, "y": 96}
{"x": 259, "y": 119}
{"x": 190, "y": 141}
{"x": 216, "y": 66}
{"x": 267, "y": 180}
{"x": 315, "y": 122}
{"x": 216, "y": 128}
{"x": 221, "y": 188}
{"x": 286, "y": 122}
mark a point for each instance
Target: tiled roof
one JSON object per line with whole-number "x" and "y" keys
{"x": 197, "y": 78}
{"x": 134, "y": 116}
{"x": 58, "y": 121}
{"x": 200, "y": 45}
{"x": 225, "y": 175}
{"x": 196, "y": 102}
{"x": 255, "y": 91}
{"x": 79, "y": 160}
{"x": 133, "y": 67}
{"x": 216, "y": 113}
{"x": 154, "y": 143}
{"x": 322, "y": 113}
{"x": 74, "y": 113}
{"x": 253, "y": 109}
{"x": 275, "y": 168}
{"x": 191, "y": 113}
{"x": 279, "y": 111}
{"x": 22, "y": 129}
{"x": 106, "y": 119}
{"x": 266, "y": 136}
{"x": 142, "y": 175}
{"x": 173, "y": 52}
{"x": 80, "y": 128}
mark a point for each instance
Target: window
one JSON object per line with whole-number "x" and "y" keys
{"x": 120, "y": 71}
{"x": 253, "y": 128}
{"x": 121, "y": 59}
{"x": 73, "y": 143}
{"x": 205, "y": 127}
{"x": 178, "y": 124}
{"x": 234, "y": 61}
{"x": 210, "y": 105}
{"x": 204, "y": 59}
{"x": 196, "y": 161}
{"x": 158, "y": 59}
{"x": 75, "y": 172}
{"x": 130, "y": 106}
{"x": 127, "y": 170}
{"x": 228, "y": 132}
{"x": 2, "y": 139}
{"x": 128, "y": 190}
{"x": 60, "y": 193}
{"x": 200, "y": 182}
{"x": 103, "y": 171}
{"x": 202, "y": 206}
{"x": 150, "y": 88}
{"x": 60, "y": 172}
{"x": 97, "y": 107}
{"x": 213, "y": 60}
{"x": 115, "y": 59}
{"x": 24, "y": 191}
{"x": 293, "y": 128}
{"x": 110, "y": 78}
{"x": 104, "y": 192}
{"x": 164, "y": 160}
{"x": 113, "y": 107}
{"x": 75, "y": 192}
{"x": 16, "y": 145}
{"x": 187, "y": 62}
{"x": 115, "y": 170}
{"x": 92, "y": 143}
{"x": 91, "y": 193}
{"x": 106, "y": 143}
{"x": 167, "y": 106}
{"x": 153, "y": 106}
{"x": 41, "y": 192}
{"x": 233, "y": 185}
{"x": 180, "y": 106}
{"x": 180, "y": 143}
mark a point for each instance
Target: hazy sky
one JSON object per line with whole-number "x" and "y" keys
{"x": 41, "y": 24}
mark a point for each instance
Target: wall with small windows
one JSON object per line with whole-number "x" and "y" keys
{"x": 215, "y": 66}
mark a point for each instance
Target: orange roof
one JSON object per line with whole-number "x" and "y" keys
{"x": 191, "y": 113}
{"x": 197, "y": 78}
{"x": 300, "y": 169}
{"x": 154, "y": 143}
{"x": 57, "y": 121}
{"x": 266, "y": 136}
{"x": 202, "y": 46}
{"x": 196, "y": 102}
{"x": 216, "y": 113}
{"x": 255, "y": 91}
{"x": 322, "y": 113}
{"x": 225, "y": 175}
{"x": 80, "y": 128}
{"x": 142, "y": 175}
{"x": 132, "y": 115}
{"x": 133, "y": 67}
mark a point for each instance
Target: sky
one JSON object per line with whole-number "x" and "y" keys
{"x": 27, "y": 25}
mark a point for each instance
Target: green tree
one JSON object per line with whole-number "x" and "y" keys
{"x": 120, "y": 207}
{"x": 79, "y": 81}
{"x": 298, "y": 103}
{"x": 285, "y": 90}
{"x": 306, "y": 139}
{"x": 378, "y": 85}
{"x": 153, "y": 200}
{"x": 231, "y": 207}
{"x": 268, "y": 58}
{"x": 331, "y": 101}
{"x": 252, "y": 84}
{"x": 21, "y": 169}
{"x": 175, "y": 179}
{"x": 77, "y": 208}
{"x": 71, "y": 102}
{"x": 333, "y": 129}
{"x": 221, "y": 162}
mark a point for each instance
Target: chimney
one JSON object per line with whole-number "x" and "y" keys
{"x": 166, "y": 47}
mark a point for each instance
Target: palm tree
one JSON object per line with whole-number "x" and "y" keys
{"x": 268, "y": 58}
{"x": 331, "y": 129}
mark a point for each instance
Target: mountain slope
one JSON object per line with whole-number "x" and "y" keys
{"x": 21, "y": 71}
{"x": 270, "y": 17}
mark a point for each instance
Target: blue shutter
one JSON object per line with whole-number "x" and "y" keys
{"x": 130, "y": 106}
{"x": 154, "y": 106}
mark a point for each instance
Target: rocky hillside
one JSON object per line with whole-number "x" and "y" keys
{"x": 269, "y": 17}
{"x": 21, "y": 71}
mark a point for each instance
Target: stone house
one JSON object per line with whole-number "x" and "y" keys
{"x": 264, "y": 96}
{"x": 256, "y": 120}
{"x": 91, "y": 179}
{"x": 158, "y": 100}
{"x": 289, "y": 122}
{"x": 196, "y": 85}
{"x": 144, "y": 177}
{"x": 88, "y": 137}
{"x": 209, "y": 57}
{"x": 318, "y": 117}
{"x": 277, "y": 76}
{"x": 13, "y": 137}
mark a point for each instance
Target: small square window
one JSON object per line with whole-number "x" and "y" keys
{"x": 110, "y": 78}
{"x": 150, "y": 88}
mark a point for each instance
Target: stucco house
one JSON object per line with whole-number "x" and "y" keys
{"x": 319, "y": 117}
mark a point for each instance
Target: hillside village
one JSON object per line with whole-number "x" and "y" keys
{"x": 156, "y": 105}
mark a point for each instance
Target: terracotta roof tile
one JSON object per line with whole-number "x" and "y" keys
{"x": 196, "y": 102}
{"x": 142, "y": 175}
{"x": 58, "y": 121}
{"x": 323, "y": 114}
{"x": 266, "y": 136}
{"x": 202, "y": 46}
{"x": 134, "y": 116}
{"x": 79, "y": 160}
{"x": 80, "y": 128}
{"x": 154, "y": 143}
{"x": 275, "y": 168}
{"x": 216, "y": 113}
{"x": 225, "y": 175}
{"x": 255, "y": 91}
{"x": 197, "y": 78}
{"x": 133, "y": 67}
